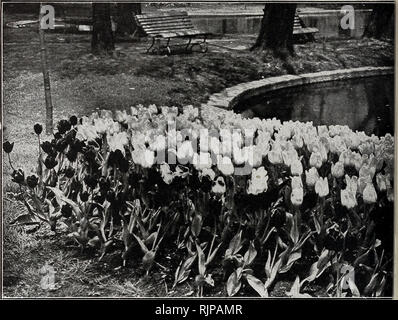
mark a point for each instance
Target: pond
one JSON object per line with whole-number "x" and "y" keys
{"x": 365, "y": 104}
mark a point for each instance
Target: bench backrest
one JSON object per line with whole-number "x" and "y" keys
{"x": 297, "y": 22}
{"x": 164, "y": 22}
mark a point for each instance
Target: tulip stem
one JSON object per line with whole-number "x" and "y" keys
{"x": 9, "y": 159}
{"x": 38, "y": 137}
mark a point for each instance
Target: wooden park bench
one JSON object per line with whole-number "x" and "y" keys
{"x": 169, "y": 25}
{"x": 301, "y": 31}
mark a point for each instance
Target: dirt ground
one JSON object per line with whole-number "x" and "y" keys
{"x": 82, "y": 83}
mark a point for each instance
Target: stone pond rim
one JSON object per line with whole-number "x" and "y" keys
{"x": 230, "y": 97}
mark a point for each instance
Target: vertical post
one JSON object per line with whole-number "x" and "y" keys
{"x": 46, "y": 76}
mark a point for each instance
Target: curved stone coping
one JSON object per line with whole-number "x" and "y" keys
{"x": 230, "y": 97}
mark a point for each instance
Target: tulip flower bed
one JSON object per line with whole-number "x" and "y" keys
{"x": 260, "y": 198}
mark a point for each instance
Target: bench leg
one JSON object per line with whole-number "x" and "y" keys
{"x": 153, "y": 42}
{"x": 188, "y": 44}
{"x": 168, "y": 47}
{"x": 158, "y": 47}
{"x": 202, "y": 45}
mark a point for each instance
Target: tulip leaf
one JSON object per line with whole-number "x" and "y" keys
{"x": 24, "y": 219}
{"x": 236, "y": 243}
{"x": 233, "y": 284}
{"x": 196, "y": 225}
{"x": 293, "y": 257}
{"x": 257, "y": 285}
{"x": 201, "y": 260}
{"x": 250, "y": 254}
{"x": 142, "y": 244}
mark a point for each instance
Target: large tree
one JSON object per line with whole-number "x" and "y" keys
{"x": 381, "y": 22}
{"x": 126, "y": 24}
{"x": 276, "y": 32}
{"x": 102, "y": 36}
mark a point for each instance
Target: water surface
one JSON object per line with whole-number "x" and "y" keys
{"x": 365, "y": 104}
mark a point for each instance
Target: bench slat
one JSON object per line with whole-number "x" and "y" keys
{"x": 152, "y": 33}
{"x": 305, "y": 30}
{"x": 162, "y": 20}
{"x": 167, "y": 24}
{"x": 180, "y": 34}
{"x": 173, "y": 33}
{"x": 162, "y": 14}
{"x": 168, "y": 27}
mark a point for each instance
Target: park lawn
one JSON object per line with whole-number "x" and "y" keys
{"x": 82, "y": 83}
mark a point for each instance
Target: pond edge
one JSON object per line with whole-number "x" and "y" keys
{"x": 230, "y": 97}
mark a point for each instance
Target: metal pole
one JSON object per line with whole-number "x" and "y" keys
{"x": 46, "y": 77}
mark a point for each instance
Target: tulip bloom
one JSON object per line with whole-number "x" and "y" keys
{"x": 348, "y": 198}
{"x": 311, "y": 177}
{"x": 296, "y": 182}
{"x": 219, "y": 186}
{"x": 322, "y": 187}
{"x": 316, "y": 160}
{"x": 224, "y": 164}
{"x": 258, "y": 182}
{"x": 297, "y": 196}
{"x": 369, "y": 194}
{"x": 296, "y": 168}
{"x": 337, "y": 169}
{"x": 166, "y": 173}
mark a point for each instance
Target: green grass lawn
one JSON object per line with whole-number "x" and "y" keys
{"x": 82, "y": 83}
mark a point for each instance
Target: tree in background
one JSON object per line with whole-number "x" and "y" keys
{"x": 381, "y": 22}
{"x": 126, "y": 24}
{"x": 102, "y": 36}
{"x": 276, "y": 32}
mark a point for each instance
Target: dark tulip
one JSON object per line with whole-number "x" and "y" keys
{"x": 84, "y": 196}
{"x": 278, "y": 217}
{"x": 70, "y": 137}
{"x": 77, "y": 146}
{"x": 123, "y": 165}
{"x": 63, "y": 126}
{"x": 134, "y": 179}
{"x": 110, "y": 196}
{"x": 90, "y": 181}
{"x": 7, "y": 146}
{"x": 47, "y": 147}
{"x": 99, "y": 141}
{"x": 38, "y": 128}
{"x": 89, "y": 155}
{"x": 73, "y": 120}
{"x": 50, "y": 162}
{"x": 18, "y": 176}
{"x": 104, "y": 184}
{"x": 69, "y": 172}
{"x": 115, "y": 157}
{"x": 351, "y": 242}
{"x": 206, "y": 184}
{"x": 76, "y": 185}
{"x": 99, "y": 198}
{"x": 66, "y": 210}
{"x": 32, "y": 181}
{"x": 71, "y": 155}
{"x": 60, "y": 145}
{"x": 57, "y": 136}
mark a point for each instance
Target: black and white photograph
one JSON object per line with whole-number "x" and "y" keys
{"x": 198, "y": 150}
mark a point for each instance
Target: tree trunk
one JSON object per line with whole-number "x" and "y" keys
{"x": 381, "y": 22}
{"x": 102, "y": 36}
{"x": 126, "y": 24}
{"x": 276, "y": 32}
